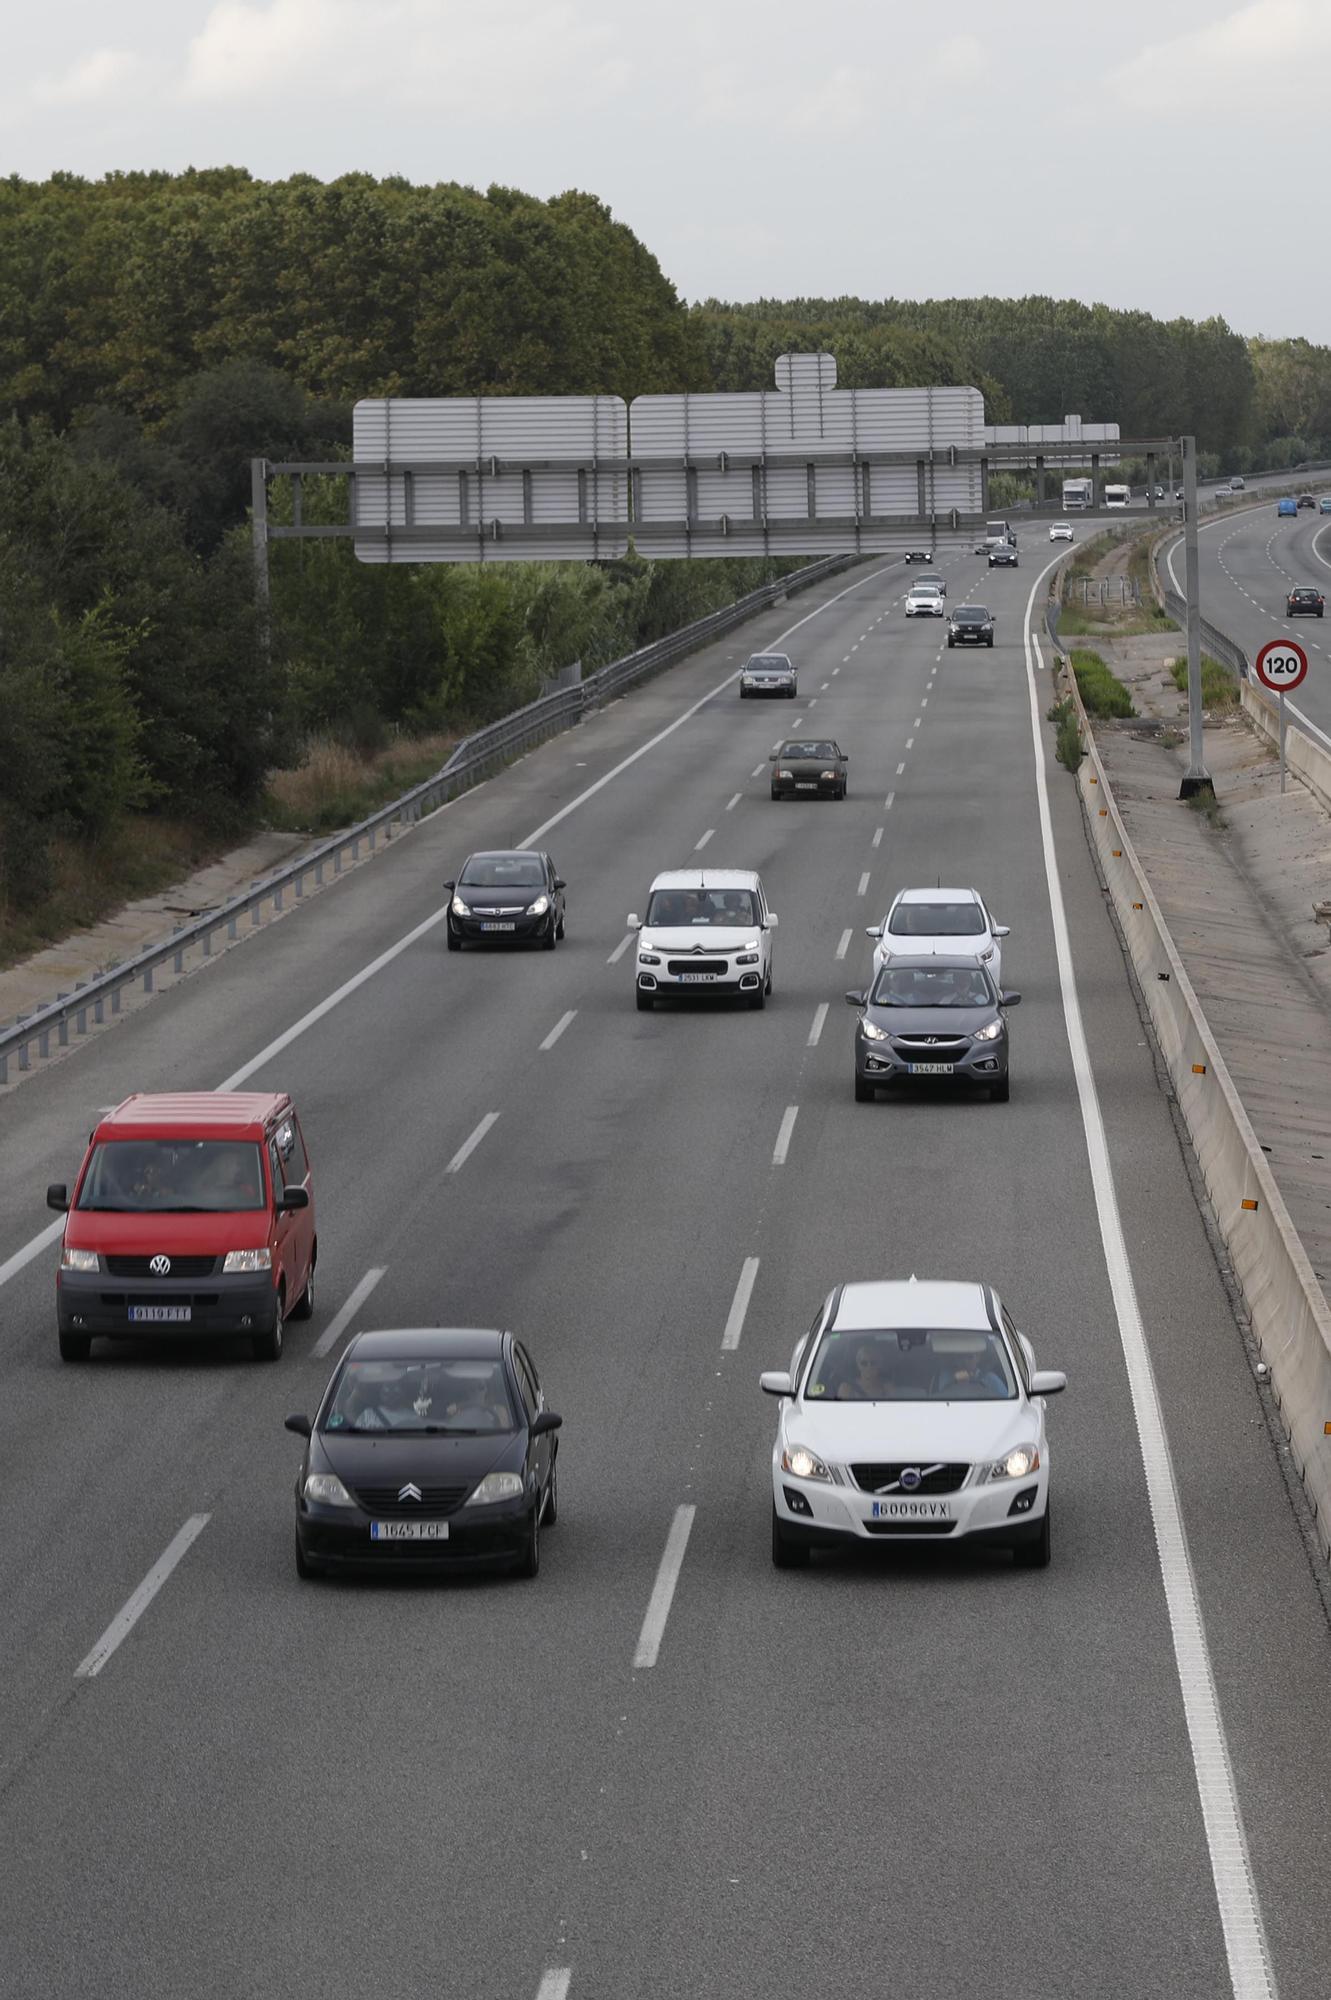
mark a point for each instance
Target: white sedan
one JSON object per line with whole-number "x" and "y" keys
{"x": 912, "y": 1410}
{"x": 927, "y": 922}
{"x": 925, "y": 600}
{"x": 1061, "y": 531}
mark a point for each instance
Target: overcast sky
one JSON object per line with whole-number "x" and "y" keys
{"x": 1134, "y": 153}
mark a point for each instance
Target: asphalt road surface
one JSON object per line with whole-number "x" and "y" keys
{"x": 926, "y": 1773}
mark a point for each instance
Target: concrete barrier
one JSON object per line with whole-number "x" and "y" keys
{"x": 1290, "y": 1317}
{"x": 1303, "y": 754}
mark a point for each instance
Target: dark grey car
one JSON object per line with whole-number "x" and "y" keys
{"x": 931, "y": 1018}
{"x": 809, "y": 766}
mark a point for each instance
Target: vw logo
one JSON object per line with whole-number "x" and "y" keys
{"x": 410, "y": 1491}
{"x": 159, "y": 1266}
{"x": 910, "y": 1478}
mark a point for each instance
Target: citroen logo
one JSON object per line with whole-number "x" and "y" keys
{"x": 910, "y": 1478}
{"x": 159, "y": 1266}
{"x": 698, "y": 950}
{"x": 410, "y": 1491}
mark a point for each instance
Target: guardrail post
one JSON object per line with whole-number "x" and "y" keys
{"x": 44, "y": 1043}
{"x": 81, "y": 1021}
{"x": 148, "y": 979}
{"x": 116, "y": 992}
{"x": 98, "y": 1011}
{"x": 62, "y": 1031}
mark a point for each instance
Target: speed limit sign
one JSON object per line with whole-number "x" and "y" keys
{"x": 1280, "y": 665}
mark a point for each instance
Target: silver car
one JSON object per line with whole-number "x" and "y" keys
{"x": 768, "y": 673}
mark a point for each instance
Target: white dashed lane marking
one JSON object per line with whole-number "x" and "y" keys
{"x": 784, "y": 1133}
{"x": 732, "y": 803}
{"x": 863, "y": 889}
{"x": 844, "y": 945}
{"x": 819, "y": 1016}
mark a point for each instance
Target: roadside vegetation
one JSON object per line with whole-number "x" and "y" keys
{"x": 1101, "y": 690}
{"x": 1220, "y": 687}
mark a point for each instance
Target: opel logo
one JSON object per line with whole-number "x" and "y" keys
{"x": 159, "y": 1266}
{"x": 910, "y": 1478}
{"x": 410, "y": 1491}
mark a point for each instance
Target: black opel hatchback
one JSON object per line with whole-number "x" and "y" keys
{"x": 432, "y": 1446}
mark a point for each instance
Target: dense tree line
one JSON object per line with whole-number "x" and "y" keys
{"x": 158, "y": 330}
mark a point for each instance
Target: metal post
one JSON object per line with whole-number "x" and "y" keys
{"x": 1150, "y": 479}
{"x": 1097, "y": 497}
{"x": 1039, "y": 480}
{"x": 1198, "y": 778}
{"x": 1282, "y": 739}
{"x": 259, "y": 532}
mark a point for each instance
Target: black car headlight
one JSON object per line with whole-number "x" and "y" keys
{"x": 497, "y": 1486}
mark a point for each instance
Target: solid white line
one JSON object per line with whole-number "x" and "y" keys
{"x": 877, "y": 840}
{"x": 1250, "y": 1972}
{"x": 700, "y": 844}
{"x": 732, "y": 803}
{"x": 557, "y": 1030}
{"x": 663, "y": 1590}
{"x": 342, "y": 1319}
{"x": 739, "y": 1305}
{"x": 844, "y": 945}
{"x": 787, "y": 1126}
{"x": 554, "y": 1983}
{"x": 864, "y": 884}
{"x": 621, "y": 948}
{"x": 819, "y": 1016}
{"x": 465, "y": 1151}
{"x": 134, "y": 1607}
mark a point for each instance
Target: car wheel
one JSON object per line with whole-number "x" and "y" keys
{"x": 454, "y": 943}
{"x": 757, "y": 1001}
{"x": 304, "y": 1306}
{"x": 646, "y": 1001}
{"x": 791, "y": 693}
{"x": 744, "y": 694}
{"x": 529, "y": 1562}
{"x": 559, "y": 930}
{"x": 1035, "y": 1554}
{"x": 787, "y": 1554}
{"x": 306, "y": 1570}
{"x": 1000, "y": 1092}
{"x": 950, "y": 644}
{"x": 75, "y": 1346}
{"x": 552, "y": 1494}
{"x": 775, "y": 793}
{"x": 845, "y": 788}
{"x": 551, "y": 938}
{"x": 864, "y": 1092}
{"x": 989, "y": 642}
{"x": 267, "y": 1346}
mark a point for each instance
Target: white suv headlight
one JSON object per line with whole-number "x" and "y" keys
{"x": 248, "y": 1260}
{"x": 79, "y": 1260}
{"x": 327, "y": 1489}
{"x": 539, "y": 907}
{"x": 497, "y": 1486}
{"x": 1021, "y": 1460}
{"x": 989, "y": 1034}
{"x": 803, "y": 1463}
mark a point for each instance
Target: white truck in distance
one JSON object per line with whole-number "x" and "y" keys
{"x": 1078, "y": 495}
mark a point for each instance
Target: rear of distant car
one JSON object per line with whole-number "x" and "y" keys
{"x": 1287, "y": 506}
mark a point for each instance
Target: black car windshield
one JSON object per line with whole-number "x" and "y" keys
{"x": 932, "y": 986}
{"x": 916, "y": 1365}
{"x": 173, "y": 1177}
{"x": 971, "y": 614}
{"x": 819, "y": 751}
{"x": 503, "y": 871}
{"x": 464, "y": 1397}
{"x": 682, "y": 909}
{"x": 936, "y": 920}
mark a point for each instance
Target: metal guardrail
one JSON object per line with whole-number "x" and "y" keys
{"x": 475, "y": 758}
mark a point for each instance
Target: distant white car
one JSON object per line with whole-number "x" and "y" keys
{"x": 912, "y": 1410}
{"x": 925, "y": 600}
{"x": 704, "y": 928}
{"x": 1061, "y": 531}
{"x": 951, "y": 923}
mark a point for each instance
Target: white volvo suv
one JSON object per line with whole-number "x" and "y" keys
{"x": 912, "y": 1410}
{"x": 704, "y": 928}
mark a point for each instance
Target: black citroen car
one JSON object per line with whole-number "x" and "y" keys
{"x": 970, "y": 625}
{"x": 931, "y": 1018}
{"x": 809, "y": 767}
{"x": 506, "y": 897}
{"x": 432, "y": 1447}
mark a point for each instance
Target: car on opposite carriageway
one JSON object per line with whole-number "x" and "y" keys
{"x": 704, "y": 929}
{"x": 807, "y": 766}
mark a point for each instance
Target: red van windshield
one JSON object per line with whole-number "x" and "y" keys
{"x": 173, "y": 1177}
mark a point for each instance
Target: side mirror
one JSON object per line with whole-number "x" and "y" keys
{"x": 856, "y": 999}
{"x": 57, "y": 1196}
{"x": 774, "y": 1382}
{"x": 543, "y": 1421}
{"x": 873, "y": 930}
{"x": 1002, "y": 930}
{"x": 450, "y": 886}
{"x": 300, "y": 1425}
{"x": 773, "y": 756}
{"x": 293, "y": 1197}
{"x": 773, "y": 921}
{"x": 560, "y": 883}
{"x": 635, "y": 921}
{"x": 1009, "y": 999}
{"x": 1048, "y": 1382}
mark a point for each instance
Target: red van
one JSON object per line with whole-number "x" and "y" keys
{"x": 192, "y": 1214}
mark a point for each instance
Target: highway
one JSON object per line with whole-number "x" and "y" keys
{"x": 1249, "y": 561}
{"x": 929, "y": 1772}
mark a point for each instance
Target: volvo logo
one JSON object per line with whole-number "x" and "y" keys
{"x": 910, "y": 1478}
{"x": 159, "y": 1266}
{"x": 410, "y": 1491}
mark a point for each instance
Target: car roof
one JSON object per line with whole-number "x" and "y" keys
{"x": 931, "y": 1302}
{"x": 963, "y": 610}
{"x": 427, "y": 1343}
{"x": 936, "y": 896}
{"x": 506, "y": 854}
{"x": 933, "y": 961}
{"x": 201, "y": 1114}
{"x": 925, "y": 583}
{"x": 768, "y": 656}
{"x": 705, "y": 878}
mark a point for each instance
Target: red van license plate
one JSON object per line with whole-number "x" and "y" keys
{"x": 160, "y": 1315}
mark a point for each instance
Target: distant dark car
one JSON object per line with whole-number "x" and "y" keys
{"x": 809, "y": 765}
{"x": 505, "y": 896}
{"x": 970, "y": 625}
{"x": 918, "y": 555}
{"x": 1309, "y": 501}
{"x": 1004, "y": 557}
{"x": 432, "y": 1447}
{"x": 1303, "y": 601}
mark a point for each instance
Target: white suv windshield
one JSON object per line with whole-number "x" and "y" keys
{"x": 672, "y": 909}
{"x": 911, "y": 1365}
{"x": 936, "y": 920}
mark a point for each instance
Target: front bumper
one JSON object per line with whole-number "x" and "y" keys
{"x": 971, "y": 635}
{"x": 1005, "y": 1511}
{"x": 513, "y": 927}
{"x": 783, "y": 686}
{"x": 739, "y": 979}
{"x": 880, "y": 1063}
{"x": 91, "y": 1302}
{"x": 926, "y": 611}
{"x": 806, "y": 788}
{"x": 339, "y": 1538}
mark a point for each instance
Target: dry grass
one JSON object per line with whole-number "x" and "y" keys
{"x": 335, "y": 786}
{"x": 143, "y": 856}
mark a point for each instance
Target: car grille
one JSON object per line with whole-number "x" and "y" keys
{"x": 931, "y": 1048}
{"x": 383, "y": 1503}
{"x": 909, "y": 1527}
{"x": 141, "y": 1267}
{"x": 714, "y": 965}
{"x": 887, "y": 1478}
{"x": 120, "y": 1301}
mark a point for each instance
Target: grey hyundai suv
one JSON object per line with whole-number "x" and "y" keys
{"x": 930, "y": 1018}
